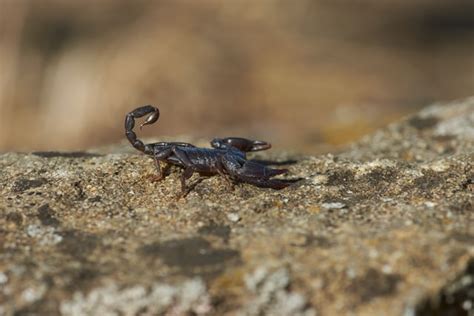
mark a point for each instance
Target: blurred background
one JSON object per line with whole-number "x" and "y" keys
{"x": 299, "y": 74}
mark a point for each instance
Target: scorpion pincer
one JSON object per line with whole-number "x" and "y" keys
{"x": 227, "y": 157}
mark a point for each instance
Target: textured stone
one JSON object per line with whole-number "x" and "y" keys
{"x": 385, "y": 226}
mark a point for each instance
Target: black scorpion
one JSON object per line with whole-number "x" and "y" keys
{"x": 227, "y": 157}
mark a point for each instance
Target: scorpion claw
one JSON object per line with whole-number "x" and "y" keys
{"x": 243, "y": 144}
{"x": 258, "y": 145}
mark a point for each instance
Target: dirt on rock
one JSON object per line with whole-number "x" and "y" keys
{"x": 384, "y": 226}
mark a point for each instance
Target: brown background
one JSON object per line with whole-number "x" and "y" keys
{"x": 296, "y": 73}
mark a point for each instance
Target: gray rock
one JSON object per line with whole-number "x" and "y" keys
{"x": 385, "y": 226}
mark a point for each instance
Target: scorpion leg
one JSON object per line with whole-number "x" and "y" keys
{"x": 228, "y": 180}
{"x": 161, "y": 156}
{"x": 228, "y": 167}
{"x": 187, "y": 173}
{"x": 161, "y": 173}
{"x": 188, "y": 168}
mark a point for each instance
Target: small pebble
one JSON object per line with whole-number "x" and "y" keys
{"x": 233, "y": 217}
{"x": 430, "y": 204}
{"x": 3, "y": 278}
{"x": 333, "y": 205}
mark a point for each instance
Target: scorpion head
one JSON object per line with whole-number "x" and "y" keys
{"x": 242, "y": 144}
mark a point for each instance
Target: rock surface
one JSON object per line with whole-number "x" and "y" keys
{"x": 385, "y": 226}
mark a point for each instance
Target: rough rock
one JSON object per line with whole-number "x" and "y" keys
{"x": 385, "y": 226}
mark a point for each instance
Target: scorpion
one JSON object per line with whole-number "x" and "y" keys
{"x": 227, "y": 157}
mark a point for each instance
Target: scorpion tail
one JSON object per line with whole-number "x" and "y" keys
{"x": 130, "y": 124}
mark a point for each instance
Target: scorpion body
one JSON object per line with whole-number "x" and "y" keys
{"x": 227, "y": 157}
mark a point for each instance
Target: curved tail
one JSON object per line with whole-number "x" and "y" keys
{"x": 130, "y": 124}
